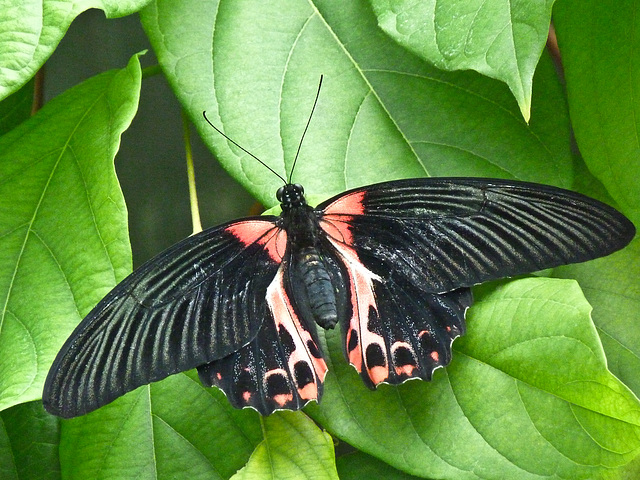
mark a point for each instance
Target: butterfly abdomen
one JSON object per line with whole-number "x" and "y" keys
{"x": 317, "y": 285}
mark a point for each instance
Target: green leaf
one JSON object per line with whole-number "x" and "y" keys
{"x": 612, "y": 288}
{"x": 500, "y": 39}
{"x": 293, "y": 448}
{"x": 383, "y": 113}
{"x": 173, "y": 429}
{"x": 599, "y": 42}
{"x": 527, "y": 395}
{"x": 63, "y": 233}
{"x": 113, "y": 443}
{"x": 29, "y": 443}
{"x": 360, "y": 466}
{"x": 16, "y": 108}
{"x": 30, "y": 30}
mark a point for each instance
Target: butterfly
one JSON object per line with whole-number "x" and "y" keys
{"x": 392, "y": 264}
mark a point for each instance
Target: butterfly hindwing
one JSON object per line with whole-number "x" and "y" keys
{"x": 199, "y": 301}
{"x": 394, "y": 331}
{"x": 417, "y": 340}
{"x": 283, "y": 366}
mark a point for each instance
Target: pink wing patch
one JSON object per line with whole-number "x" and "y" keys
{"x": 351, "y": 204}
{"x": 366, "y": 350}
{"x": 336, "y": 217}
{"x": 266, "y": 234}
{"x": 306, "y": 366}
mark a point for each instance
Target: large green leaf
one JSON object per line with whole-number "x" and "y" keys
{"x": 360, "y": 466}
{"x": 173, "y": 429}
{"x": 63, "y": 233}
{"x": 293, "y": 448}
{"x": 527, "y": 395}
{"x": 30, "y": 30}
{"x": 29, "y": 443}
{"x": 16, "y": 108}
{"x": 500, "y": 39}
{"x": 611, "y": 285}
{"x": 616, "y": 301}
{"x": 383, "y": 113}
{"x": 599, "y": 42}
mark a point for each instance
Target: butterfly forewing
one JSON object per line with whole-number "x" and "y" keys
{"x": 447, "y": 233}
{"x": 199, "y": 301}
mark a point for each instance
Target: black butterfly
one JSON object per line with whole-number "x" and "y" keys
{"x": 392, "y": 263}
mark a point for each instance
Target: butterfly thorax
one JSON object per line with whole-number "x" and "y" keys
{"x": 298, "y": 219}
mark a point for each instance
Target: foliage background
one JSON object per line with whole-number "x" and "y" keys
{"x": 528, "y": 394}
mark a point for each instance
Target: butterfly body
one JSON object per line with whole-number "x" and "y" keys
{"x": 391, "y": 263}
{"x": 310, "y": 273}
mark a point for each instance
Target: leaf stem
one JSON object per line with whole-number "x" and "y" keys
{"x": 191, "y": 175}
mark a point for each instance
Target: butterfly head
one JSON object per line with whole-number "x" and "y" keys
{"x": 291, "y": 196}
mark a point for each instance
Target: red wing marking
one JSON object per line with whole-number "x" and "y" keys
{"x": 364, "y": 346}
{"x": 378, "y": 374}
{"x": 406, "y": 370}
{"x": 337, "y": 227}
{"x": 266, "y": 234}
{"x": 336, "y": 217}
{"x": 350, "y": 204}
{"x": 435, "y": 356}
{"x": 303, "y": 349}
{"x": 309, "y": 391}
{"x": 283, "y": 399}
{"x": 402, "y": 368}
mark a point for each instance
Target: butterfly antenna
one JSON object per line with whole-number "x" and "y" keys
{"x": 204, "y": 114}
{"x": 315, "y": 102}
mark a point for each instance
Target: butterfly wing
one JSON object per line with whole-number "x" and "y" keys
{"x": 447, "y": 233}
{"x": 413, "y": 247}
{"x": 198, "y": 301}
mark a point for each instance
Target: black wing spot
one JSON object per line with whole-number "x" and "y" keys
{"x": 427, "y": 340}
{"x": 403, "y": 356}
{"x": 313, "y": 349}
{"x": 277, "y": 385}
{"x": 244, "y": 381}
{"x": 286, "y": 339}
{"x": 375, "y": 356}
{"x": 243, "y": 389}
{"x": 353, "y": 340}
{"x": 303, "y": 374}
